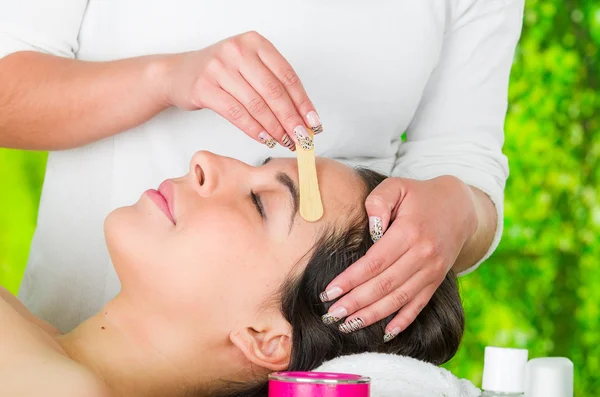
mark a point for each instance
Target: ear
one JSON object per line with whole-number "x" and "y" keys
{"x": 268, "y": 347}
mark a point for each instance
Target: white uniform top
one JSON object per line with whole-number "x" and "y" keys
{"x": 437, "y": 69}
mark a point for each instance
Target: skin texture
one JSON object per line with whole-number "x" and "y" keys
{"x": 197, "y": 295}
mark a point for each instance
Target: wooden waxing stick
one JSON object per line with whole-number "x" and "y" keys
{"x": 311, "y": 207}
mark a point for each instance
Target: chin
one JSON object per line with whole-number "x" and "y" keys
{"x": 127, "y": 239}
{"x": 135, "y": 238}
{"x": 114, "y": 227}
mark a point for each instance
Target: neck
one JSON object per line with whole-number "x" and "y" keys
{"x": 121, "y": 346}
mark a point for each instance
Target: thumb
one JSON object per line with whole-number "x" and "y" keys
{"x": 381, "y": 204}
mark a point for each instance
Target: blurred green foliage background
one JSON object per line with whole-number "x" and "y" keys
{"x": 539, "y": 290}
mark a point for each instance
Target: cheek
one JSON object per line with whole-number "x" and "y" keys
{"x": 132, "y": 235}
{"x": 218, "y": 266}
{"x": 214, "y": 248}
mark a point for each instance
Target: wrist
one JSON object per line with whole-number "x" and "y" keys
{"x": 479, "y": 241}
{"x": 485, "y": 213}
{"x": 478, "y": 219}
{"x": 157, "y": 72}
{"x": 470, "y": 197}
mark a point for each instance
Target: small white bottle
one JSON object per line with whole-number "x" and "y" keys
{"x": 504, "y": 372}
{"x": 549, "y": 377}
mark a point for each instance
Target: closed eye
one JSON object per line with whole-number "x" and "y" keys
{"x": 258, "y": 204}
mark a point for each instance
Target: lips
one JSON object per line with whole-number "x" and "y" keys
{"x": 166, "y": 190}
{"x": 163, "y": 198}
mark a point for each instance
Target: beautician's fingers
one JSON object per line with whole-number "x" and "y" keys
{"x": 276, "y": 97}
{"x": 432, "y": 231}
{"x": 229, "y": 107}
{"x": 386, "y": 306}
{"x": 234, "y": 83}
{"x": 382, "y": 205}
{"x": 190, "y": 78}
{"x": 290, "y": 80}
{"x": 407, "y": 315}
{"x": 378, "y": 287}
{"x": 378, "y": 258}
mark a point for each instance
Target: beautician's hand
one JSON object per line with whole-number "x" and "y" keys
{"x": 429, "y": 224}
{"x": 247, "y": 81}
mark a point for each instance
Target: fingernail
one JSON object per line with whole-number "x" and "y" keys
{"x": 376, "y": 228}
{"x": 334, "y": 316}
{"x": 288, "y": 142}
{"x": 315, "y": 122}
{"x": 267, "y": 139}
{"x": 331, "y": 294}
{"x": 391, "y": 335}
{"x": 350, "y": 326}
{"x": 303, "y": 138}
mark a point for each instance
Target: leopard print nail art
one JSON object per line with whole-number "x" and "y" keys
{"x": 389, "y": 337}
{"x": 270, "y": 143}
{"x": 306, "y": 142}
{"x": 329, "y": 319}
{"x": 376, "y": 228}
{"x": 267, "y": 140}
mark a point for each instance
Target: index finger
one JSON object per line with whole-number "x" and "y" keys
{"x": 284, "y": 72}
{"x": 378, "y": 258}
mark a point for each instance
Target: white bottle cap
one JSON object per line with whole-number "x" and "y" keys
{"x": 504, "y": 370}
{"x": 549, "y": 377}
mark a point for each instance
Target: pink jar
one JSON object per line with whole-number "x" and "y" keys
{"x": 318, "y": 384}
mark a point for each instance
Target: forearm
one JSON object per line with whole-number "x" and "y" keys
{"x": 53, "y": 103}
{"x": 476, "y": 247}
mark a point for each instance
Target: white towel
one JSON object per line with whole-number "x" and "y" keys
{"x": 398, "y": 376}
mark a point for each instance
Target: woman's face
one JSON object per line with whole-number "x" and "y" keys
{"x": 227, "y": 237}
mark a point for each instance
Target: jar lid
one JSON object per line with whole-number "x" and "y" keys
{"x": 549, "y": 377}
{"x": 319, "y": 378}
{"x": 504, "y": 370}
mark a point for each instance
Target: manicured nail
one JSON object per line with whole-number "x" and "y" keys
{"x": 350, "y": 326}
{"x": 267, "y": 139}
{"x": 331, "y": 294}
{"x": 315, "y": 122}
{"x": 376, "y": 228}
{"x": 391, "y": 335}
{"x": 288, "y": 142}
{"x": 334, "y": 316}
{"x": 303, "y": 137}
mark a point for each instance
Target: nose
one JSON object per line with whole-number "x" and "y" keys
{"x": 204, "y": 172}
{"x": 208, "y": 171}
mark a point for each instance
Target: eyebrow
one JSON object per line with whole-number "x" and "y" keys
{"x": 289, "y": 184}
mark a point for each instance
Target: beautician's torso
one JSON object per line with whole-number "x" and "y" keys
{"x": 363, "y": 63}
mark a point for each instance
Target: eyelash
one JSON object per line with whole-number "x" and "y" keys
{"x": 257, "y": 204}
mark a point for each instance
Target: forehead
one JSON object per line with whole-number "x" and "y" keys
{"x": 342, "y": 190}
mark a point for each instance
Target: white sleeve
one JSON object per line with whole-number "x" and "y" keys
{"x": 49, "y": 26}
{"x": 458, "y": 128}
